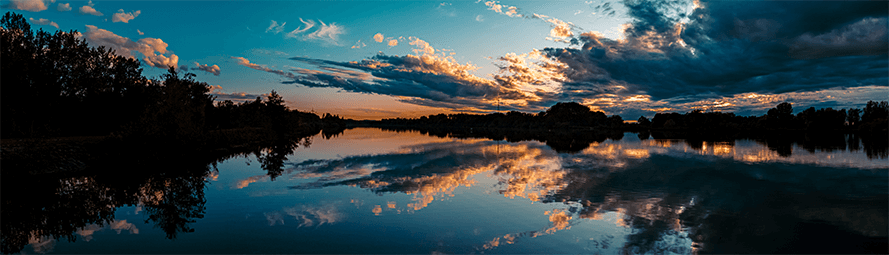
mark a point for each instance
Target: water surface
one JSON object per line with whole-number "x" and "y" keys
{"x": 374, "y": 191}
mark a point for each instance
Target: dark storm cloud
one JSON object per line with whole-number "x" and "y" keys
{"x": 428, "y": 80}
{"x": 735, "y": 47}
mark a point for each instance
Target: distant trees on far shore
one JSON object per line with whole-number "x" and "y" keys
{"x": 873, "y": 118}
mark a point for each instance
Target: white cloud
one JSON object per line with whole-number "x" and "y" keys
{"x": 327, "y": 32}
{"x": 43, "y": 22}
{"x": 152, "y": 49}
{"x": 27, "y": 5}
{"x": 393, "y": 42}
{"x": 378, "y": 37}
{"x": 446, "y": 9}
{"x": 124, "y": 17}
{"x": 140, "y": 32}
{"x": 308, "y": 24}
{"x": 63, "y": 7}
{"x": 275, "y": 28}
{"x": 214, "y": 69}
{"x": 268, "y": 52}
{"x": 88, "y": 9}
{"x": 479, "y": 18}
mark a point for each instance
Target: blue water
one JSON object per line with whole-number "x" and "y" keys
{"x": 373, "y": 191}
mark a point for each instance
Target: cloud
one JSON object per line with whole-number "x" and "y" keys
{"x": 44, "y": 22}
{"x": 121, "y": 16}
{"x": 214, "y": 69}
{"x": 327, "y": 32}
{"x": 152, "y": 49}
{"x": 244, "y": 62}
{"x": 217, "y": 91}
{"x": 63, "y": 7}
{"x": 358, "y": 45}
{"x": 268, "y": 52}
{"x": 511, "y": 11}
{"x": 393, "y": 43}
{"x": 676, "y": 54}
{"x": 27, "y": 5}
{"x": 865, "y": 37}
{"x": 88, "y": 9}
{"x": 446, "y": 9}
{"x": 429, "y": 78}
{"x": 561, "y": 29}
{"x": 275, "y": 28}
{"x": 672, "y": 56}
{"x": 140, "y": 32}
{"x": 479, "y": 18}
{"x": 378, "y": 37}
{"x": 308, "y": 24}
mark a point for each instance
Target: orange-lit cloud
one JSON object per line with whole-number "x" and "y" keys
{"x": 88, "y": 9}
{"x": 214, "y": 69}
{"x": 378, "y": 37}
{"x": 125, "y": 17}
{"x": 245, "y": 62}
{"x": 27, "y": 5}
{"x": 495, "y": 6}
{"x": 43, "y": 22}
{"x": 63, "y": 7}
{"x": 153, "y": 50}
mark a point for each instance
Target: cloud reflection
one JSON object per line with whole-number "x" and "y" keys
{"x": 662, "y": 189}
{"x": 306, "y": 215}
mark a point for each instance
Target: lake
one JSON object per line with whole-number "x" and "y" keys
{"x": 368, "y": 190}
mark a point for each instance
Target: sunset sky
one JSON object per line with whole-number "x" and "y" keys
{"x": 385, "y": 59}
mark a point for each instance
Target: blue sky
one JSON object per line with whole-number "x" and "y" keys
{"x": 629, "y": 58}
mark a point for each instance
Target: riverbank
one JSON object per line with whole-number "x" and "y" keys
{"x": 75, "y": 154}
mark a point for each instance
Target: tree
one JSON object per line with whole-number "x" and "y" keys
{"x": 784, "y": 109}
{"x": 874, "y": 111}
{"x": 853, "y": 116}
{"x": 644, "y": 121}
{"x": 179, "y": 112}
{"x": 61, "y": 86}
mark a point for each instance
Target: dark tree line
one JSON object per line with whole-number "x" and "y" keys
{"x": 561, "y": 115}
{"x": 872, "y": 119}
{"x": 57, "y": 85}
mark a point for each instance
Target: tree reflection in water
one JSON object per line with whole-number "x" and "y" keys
{"x": 679, "y": 195}
{"x": 42, "y": 207}
{"x": 56, "y": 207}
{"x": 722, "y": 202}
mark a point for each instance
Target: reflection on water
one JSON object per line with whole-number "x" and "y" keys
{"x": 627, "y": 193}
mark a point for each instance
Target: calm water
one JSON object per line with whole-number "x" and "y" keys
{"x": 373, "y": 191}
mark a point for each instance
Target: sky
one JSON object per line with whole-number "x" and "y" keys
{"x": 387, "y": 59}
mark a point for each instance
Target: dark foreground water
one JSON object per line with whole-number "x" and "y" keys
{"x": 373, "y": 191}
